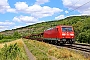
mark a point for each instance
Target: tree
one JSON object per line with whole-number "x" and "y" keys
{"x": 83, "y": 37}
{"x": 1, "y": 37}
{"x": 16, "y": 35}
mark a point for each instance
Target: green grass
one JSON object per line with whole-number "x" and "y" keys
{"x": 6, "y": 40}
{"x": 39, "y": 54}
{"x": 63, "y": 54}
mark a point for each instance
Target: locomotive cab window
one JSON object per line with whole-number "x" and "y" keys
{"x": 67, "y": 29}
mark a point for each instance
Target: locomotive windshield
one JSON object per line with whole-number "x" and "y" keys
{"x": 66, "y": 29}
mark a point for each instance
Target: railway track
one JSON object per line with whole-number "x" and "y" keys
{"x": 83, "y": 48}
{"x": 82, "y": 44}
{"x": 79, "y": 47}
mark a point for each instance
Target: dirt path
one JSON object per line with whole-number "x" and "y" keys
{"x": 32, "y": 57}
{"x": 29, "y": 54}
{"x": 52, "y": 58}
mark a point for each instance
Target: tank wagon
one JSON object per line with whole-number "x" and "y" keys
{"x": 59, "y": 35}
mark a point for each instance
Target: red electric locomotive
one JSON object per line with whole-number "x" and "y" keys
{"x": 60, "y": 35}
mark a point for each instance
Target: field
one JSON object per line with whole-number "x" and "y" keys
{"x": 44, "y": 51}
{"x": 13, "y": 51}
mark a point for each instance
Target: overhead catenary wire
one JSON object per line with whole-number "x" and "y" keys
{"x": 79, "y": 6}
{"x": 76, "y": 2}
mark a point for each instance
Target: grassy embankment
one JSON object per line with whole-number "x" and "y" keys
{"x": 42, "y": 51}
{"x": 13, "y": 51}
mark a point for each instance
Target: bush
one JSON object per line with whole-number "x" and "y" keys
{"x": 10, "y": 52}
{"x": 84, "y": 37}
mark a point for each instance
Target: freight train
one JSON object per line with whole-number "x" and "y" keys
{"x": 56, "y": 35}
{"x": 59, "y": 35}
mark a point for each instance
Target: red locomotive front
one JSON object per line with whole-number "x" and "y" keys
{"x": 59, "y": 34}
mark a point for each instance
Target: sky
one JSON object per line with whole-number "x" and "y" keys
{"x": 20, "y": 13}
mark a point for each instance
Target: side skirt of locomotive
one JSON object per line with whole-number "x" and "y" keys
{"x": 59, "y": 41}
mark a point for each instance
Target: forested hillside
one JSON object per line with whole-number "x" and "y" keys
{"x": 81, "y": 26}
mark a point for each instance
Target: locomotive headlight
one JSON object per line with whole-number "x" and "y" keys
{"x": 63, "y": 34}
{"x": 72, "y": 34}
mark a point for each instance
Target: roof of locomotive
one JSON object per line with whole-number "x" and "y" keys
{"x": 58, "y": 26}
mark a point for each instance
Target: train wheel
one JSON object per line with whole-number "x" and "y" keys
{"x": 71, "y": 42}
{"x": 58, "y": 43}
{"x": 55, "y": 42}
{"x": 50, "y": 41}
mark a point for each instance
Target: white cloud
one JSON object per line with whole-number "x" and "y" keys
{"x": 35, "y": 10}
{"x": 45, "y": 11}
{"x": 21, "y": 6}
{"x": 41, "y": 1}
{"x": 5, "y": 25}
{"x": 11, "y": 10}
{"x": 4, "y": 7}
{"x": 77, "y": 5}
{"x": 60, "y": 17}
{"x": 3, "y": 28}
{"x": 28, "y": 20}
{"x": 66, "y": 12}
{"x": 25, "y": 19}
